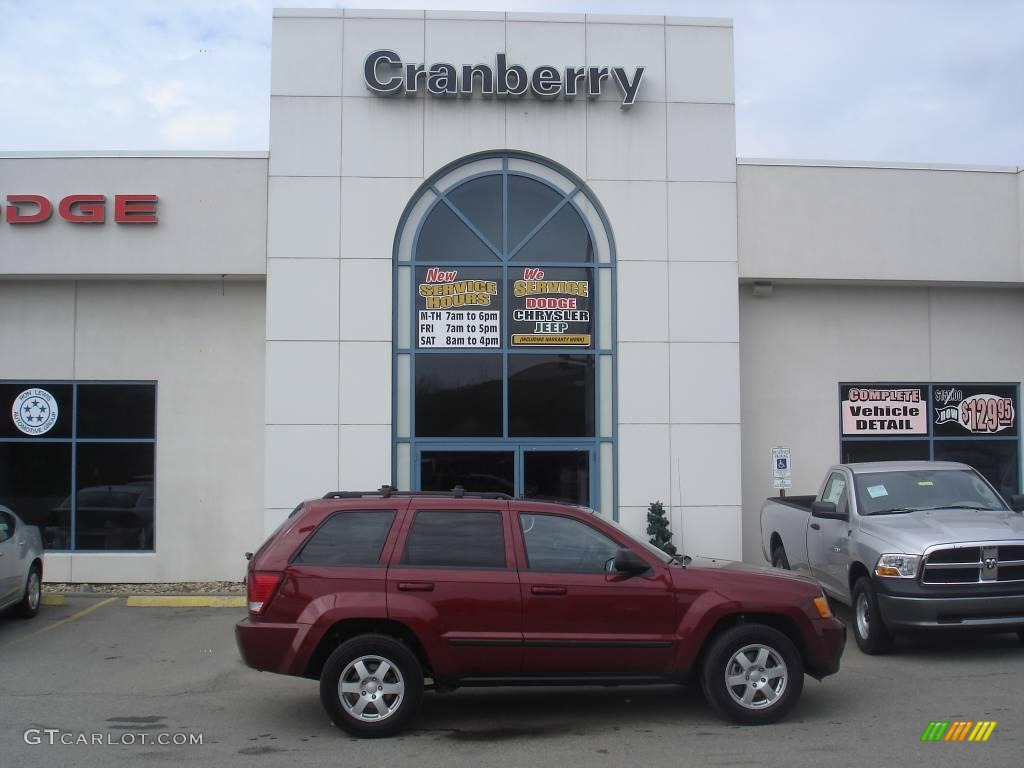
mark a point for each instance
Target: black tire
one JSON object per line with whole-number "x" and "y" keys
{"x": 869, "y": 629}
{"x": 404, "y": 669}
{"x": 1020, "y": 634}
{"x": 31, "y": 600}
{"x": 779, "y": 559}
{"x": 719, "y": 662}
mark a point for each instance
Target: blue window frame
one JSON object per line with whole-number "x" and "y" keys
{"x": 490, "y": 218}
{"x": 77, "y": 459}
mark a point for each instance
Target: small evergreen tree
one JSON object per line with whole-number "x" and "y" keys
{"x": 658, "y": 529}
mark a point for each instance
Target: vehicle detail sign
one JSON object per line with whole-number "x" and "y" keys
{"x": 551, "y": 307}
{"x": 458, "y": 308}
{"x": 983, "y": 409}
{"x": 884, "y": 411}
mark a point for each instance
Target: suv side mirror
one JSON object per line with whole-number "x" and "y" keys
{"x": 1017, "y": 502}
{"x": 827, "y": 511}
{"x": 628, "y": 561}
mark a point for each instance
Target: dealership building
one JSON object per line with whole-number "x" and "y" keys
{"x": 508, "y": 251}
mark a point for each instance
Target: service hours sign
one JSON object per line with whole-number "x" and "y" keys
{"x": 458, "y": 308}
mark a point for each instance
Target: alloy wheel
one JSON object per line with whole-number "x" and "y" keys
{"x": 756, "y": 676}
{"x": 371, "y": 688}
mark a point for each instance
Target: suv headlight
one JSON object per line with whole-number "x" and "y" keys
{"x": 898, "y": 566}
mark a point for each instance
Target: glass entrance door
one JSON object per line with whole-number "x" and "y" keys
{"x": 479, "y": 470}
{"x": 557, "y": 475}
{"x": 563, "y": 473}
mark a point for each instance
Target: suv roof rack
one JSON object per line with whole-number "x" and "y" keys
{"x": 387, "y": 491}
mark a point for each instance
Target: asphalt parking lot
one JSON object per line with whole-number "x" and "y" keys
{"x": 95, "y": 665}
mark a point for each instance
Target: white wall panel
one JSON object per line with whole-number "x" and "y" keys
{"x": 382, "y": 137}
{"x": 699, "y": 64}
{"x": 365, "y": 300}
{"x": 302, "y": 382}
{"x": 306, "y": 57}
{"x": 626, "y": 144}
{"x": 637, "y": 213}
{"x": 705, "y": 383}
{"x": 302, "y": 299}
{"x": 701, "y": 221}
{"x": 643, "y": 383}
{"x": 701, "y": 142}
{"x": 370, "y": 211}
{"x": 303, "y": 217}
{"x": 703, "y": 301}
{"x": 305, "y": 136}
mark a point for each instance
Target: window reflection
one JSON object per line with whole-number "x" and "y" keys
{"x": 551, "y": 395}
{"x": 458, "y": 395}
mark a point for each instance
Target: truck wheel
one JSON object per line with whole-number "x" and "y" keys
{"x": 779, "y": 559}
{"x": 29, "y": 605}
{"x": 869, "y": 630}
{"x": 371, "y": 686}
{"x": 752, "y": 674}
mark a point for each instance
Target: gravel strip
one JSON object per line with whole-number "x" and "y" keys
{"x": 167, "y": 588}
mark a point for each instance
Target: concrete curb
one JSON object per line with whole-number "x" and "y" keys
{"x": 155, "y": 601}
{"x": 192, "y": 601}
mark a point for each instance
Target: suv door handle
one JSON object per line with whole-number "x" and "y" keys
{"x": 415, "y": 586}
{"x": 548, "y": 590}
{"x": 815, "y": 527}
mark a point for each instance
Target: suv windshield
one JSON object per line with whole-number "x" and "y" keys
{"x": 880, "y": 493}
{"x": 665, "y": 558}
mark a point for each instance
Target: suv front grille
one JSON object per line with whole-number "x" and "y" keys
{"x": 984, "y": 564}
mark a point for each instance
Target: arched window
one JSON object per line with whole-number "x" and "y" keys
{"x": 504, "y": 334}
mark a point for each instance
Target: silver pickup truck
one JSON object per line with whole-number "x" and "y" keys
{"x": 917, "y": 544}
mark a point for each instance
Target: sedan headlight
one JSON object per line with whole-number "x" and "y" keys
{"x": 898, "y": 566}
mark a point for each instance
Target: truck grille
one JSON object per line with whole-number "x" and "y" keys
{"x": 974, "y": 564}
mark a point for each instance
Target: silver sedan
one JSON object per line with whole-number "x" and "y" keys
{"x": 21, "y": 565}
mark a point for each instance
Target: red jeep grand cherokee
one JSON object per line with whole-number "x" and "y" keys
{"x": 382, "y": 594}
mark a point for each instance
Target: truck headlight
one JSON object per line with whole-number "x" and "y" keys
{"x": 899, "y": 566}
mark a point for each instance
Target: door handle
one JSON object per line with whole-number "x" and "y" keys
{"x": 548, "y": 590}
{"x": 815, "y": 527}
{"x": 415, "y": 586}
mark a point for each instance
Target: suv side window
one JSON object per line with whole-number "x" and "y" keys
{"x": 440, "y": 539}
{"x": 564, "y": 545}
{"x": 348, "y": 538}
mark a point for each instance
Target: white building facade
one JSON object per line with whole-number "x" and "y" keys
{"x": 512, "y": 252}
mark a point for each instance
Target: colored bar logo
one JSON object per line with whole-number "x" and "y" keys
{"x": 958, "y": 730}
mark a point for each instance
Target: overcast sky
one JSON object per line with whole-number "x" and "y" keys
{"x": 928, "y": 81}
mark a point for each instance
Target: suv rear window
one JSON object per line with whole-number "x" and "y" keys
{"x": 455, "y": 540}
{"x": 348, "y": 538}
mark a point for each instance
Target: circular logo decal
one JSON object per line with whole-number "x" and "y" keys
{"x": 34, "y": 411}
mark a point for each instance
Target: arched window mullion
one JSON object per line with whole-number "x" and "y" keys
{"x": 543, "y": 222}
{"x": 465, "y": 220}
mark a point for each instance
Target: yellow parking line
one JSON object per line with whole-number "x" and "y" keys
{"x": 72, "y": 617}
{"x": 52, "y": 600}
{"x": 187, "y": 601}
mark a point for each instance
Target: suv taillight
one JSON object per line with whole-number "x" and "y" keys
{"x": 261, "y": 587}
